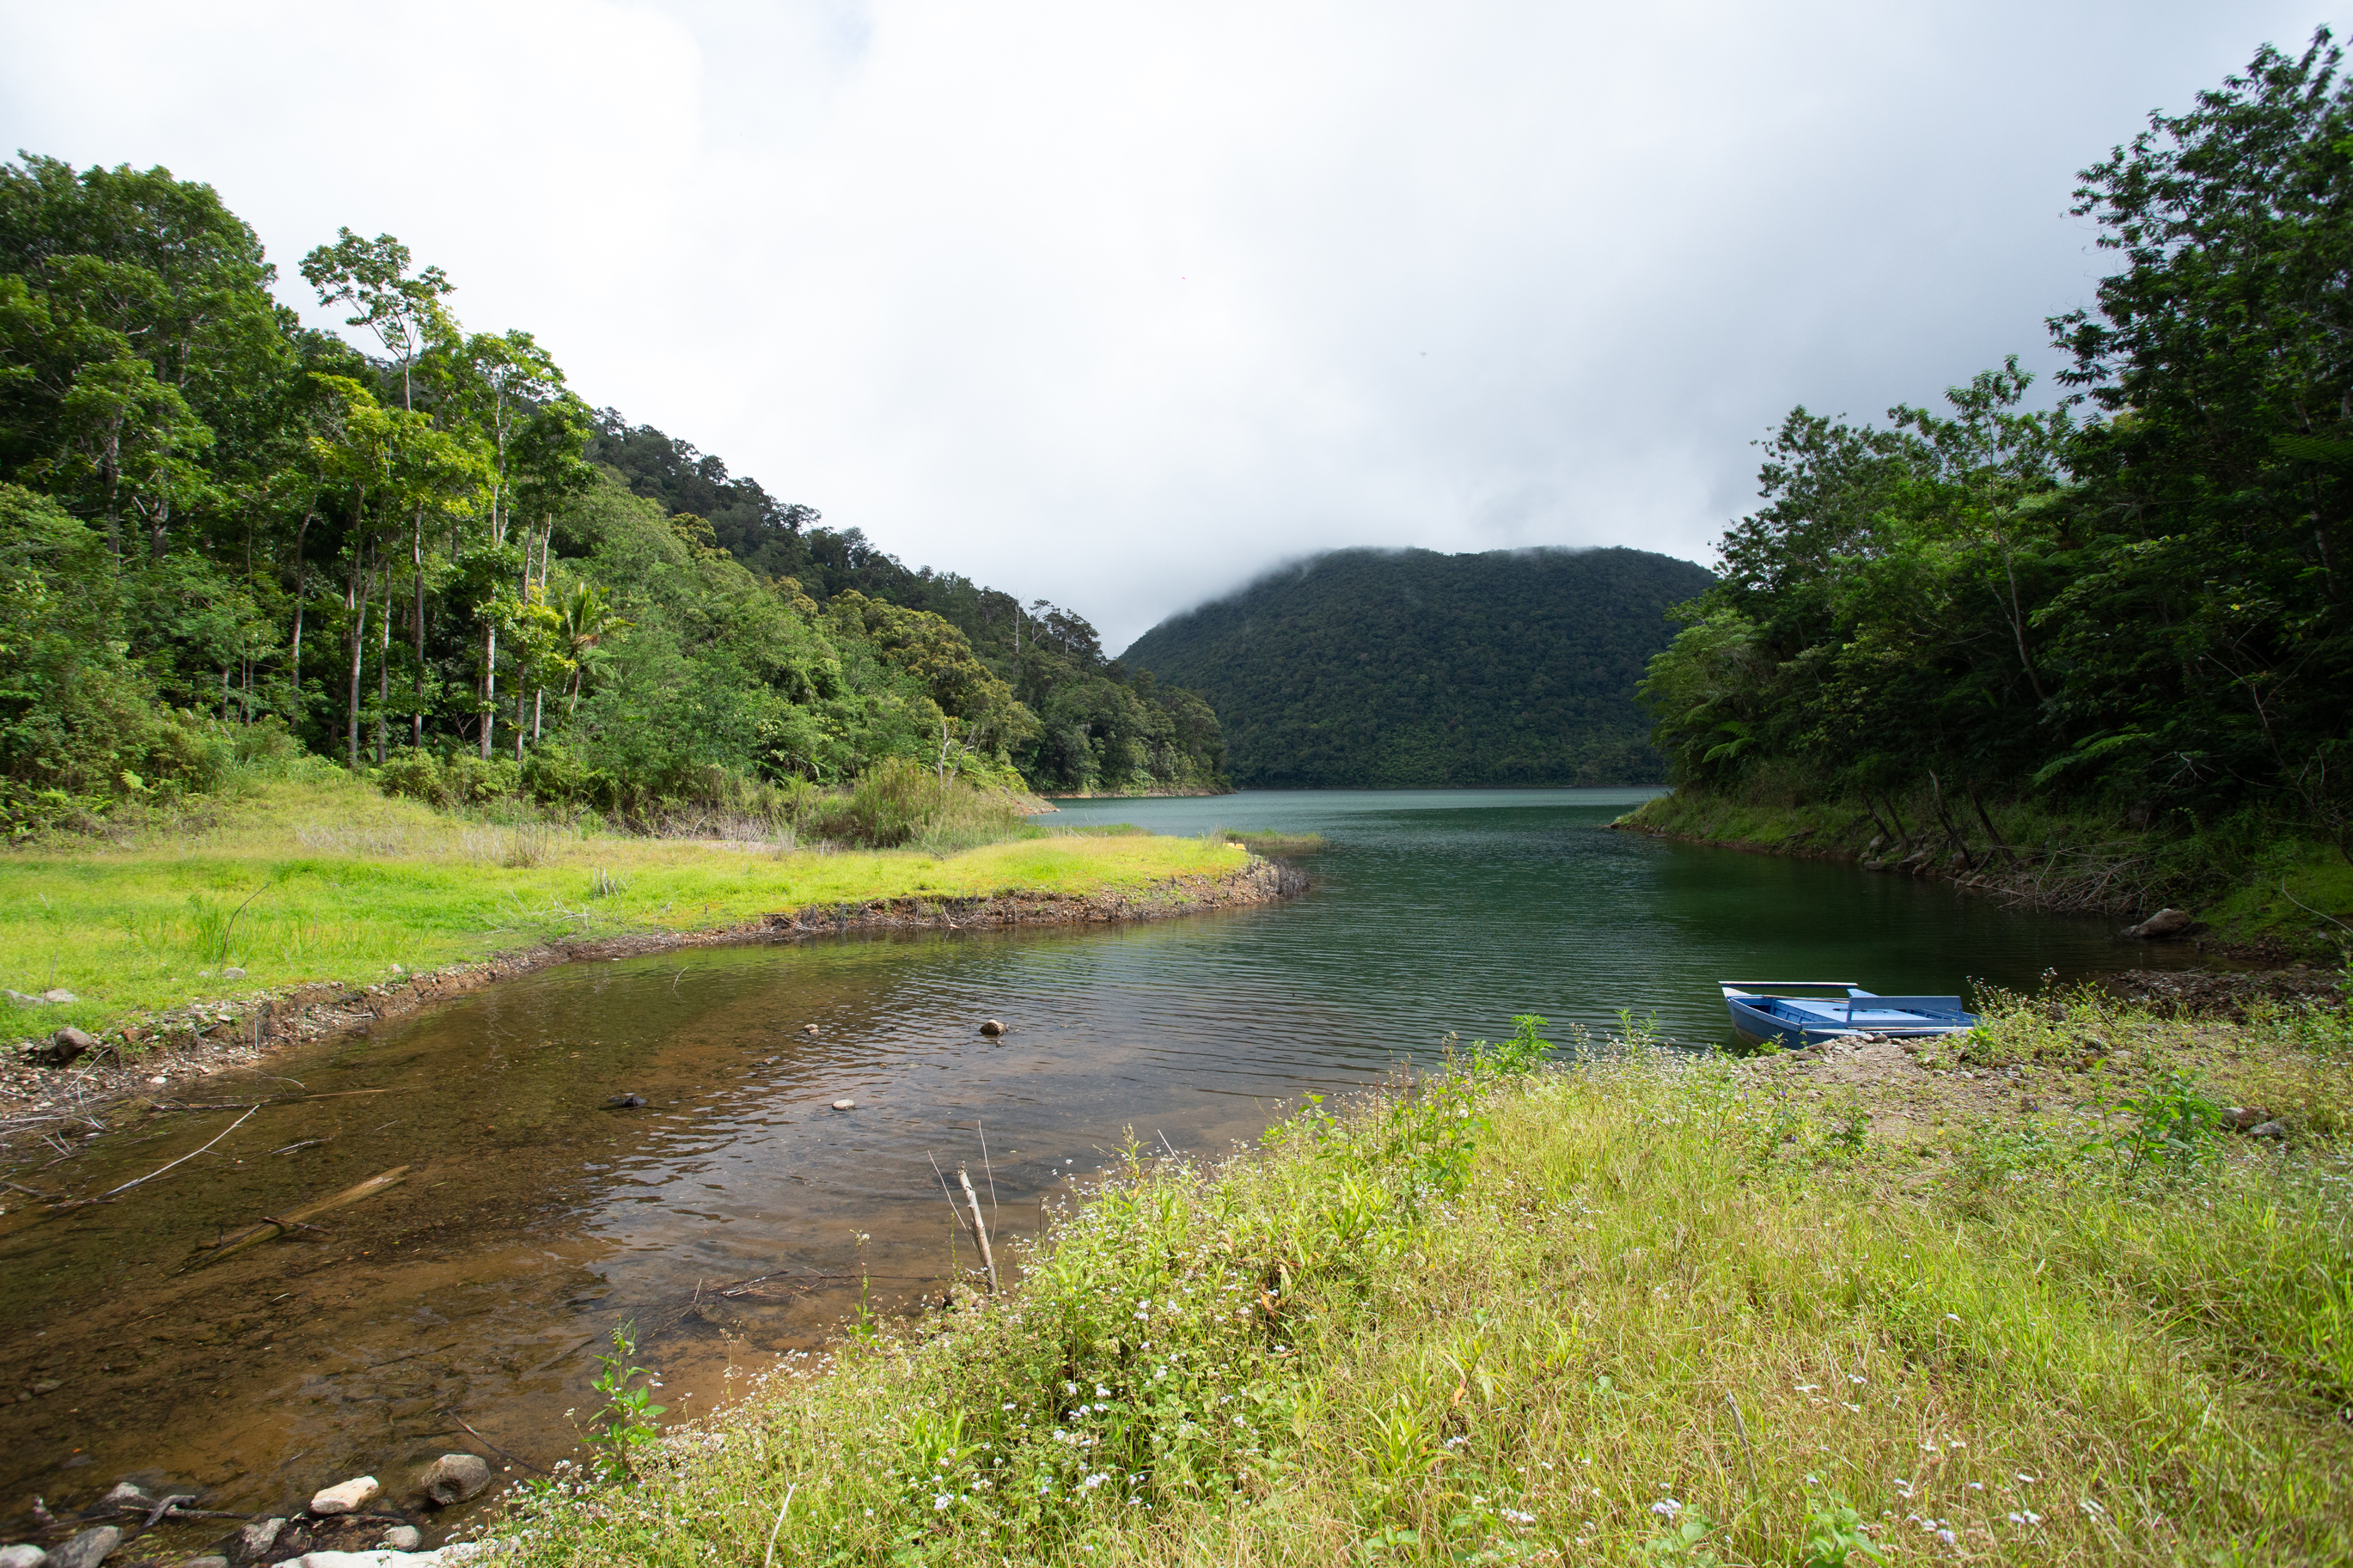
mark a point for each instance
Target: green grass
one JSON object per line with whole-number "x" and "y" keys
{"x": 1652, "y": 1309}
{"x": 317, "y": 876}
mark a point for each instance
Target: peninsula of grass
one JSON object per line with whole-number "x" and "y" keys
{"x": 2024, "y": 1298}
{"x": 317, "y": 876}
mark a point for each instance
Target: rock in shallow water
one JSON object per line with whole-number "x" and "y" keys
{"x": 86, "y": 1550}
{"x": 454, "y": 1477}
{"x": 124, "y": 1499}
{"x": 254, "y": 1541}
{"x": 404, "y": 1538}
{"x": 345, "y": 1497}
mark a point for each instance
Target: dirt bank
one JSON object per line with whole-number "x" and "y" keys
{"x": 150, "y": 1054}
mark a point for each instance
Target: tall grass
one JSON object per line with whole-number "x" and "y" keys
{"x": 1649, "y": 1307}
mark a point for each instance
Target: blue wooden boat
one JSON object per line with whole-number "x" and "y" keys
{"x": 1796, "y": 1022}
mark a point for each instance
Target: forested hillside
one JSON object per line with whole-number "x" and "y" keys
{"x": 222, "y": 533}
{"x": 1100, "y": 725}
{"x": 2131, "y": 607}
{"x": 1407, "y": 668}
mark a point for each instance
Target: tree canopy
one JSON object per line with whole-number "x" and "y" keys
{"x": 427, "y": 557}
{"x": 2137, "y": 595}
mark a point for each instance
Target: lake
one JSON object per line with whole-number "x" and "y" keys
{"x": 736, "y": 1217}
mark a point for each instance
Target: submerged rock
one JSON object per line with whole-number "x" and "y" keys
{"x": 345, "y": 1497}
{"x": 86, "y": 1550}
{"x": 454, "y": 1477}
{"x": 625, "y": 1101}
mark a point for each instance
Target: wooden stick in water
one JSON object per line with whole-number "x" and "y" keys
{"x": 979, "y": 1229}
{"x": 277, "y": 1227}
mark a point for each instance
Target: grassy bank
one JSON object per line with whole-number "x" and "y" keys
{"x": 318, "y": 876}
{"x": 1651, "y": 1309}
{"x": 2254, "y": 885}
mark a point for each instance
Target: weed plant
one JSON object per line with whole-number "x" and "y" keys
{"x": 1635, "y": 1308}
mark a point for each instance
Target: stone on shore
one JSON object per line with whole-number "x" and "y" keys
{"x": 404, "y": 1538}
{"x": 2165, "y": 922}
{"x": 347, "y": 1497}
{"x": 454, "y": 1477}
{"x": 124, "y": 1499}
{"x": 60, "y": 997}
{"x": 26, "y": 1555}
{"x": 255, "y": 1541}
{"x": 66, "y": 1045}
{"x": 86, "y": 1550}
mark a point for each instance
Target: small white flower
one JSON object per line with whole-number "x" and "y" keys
{"x": 939, "y": 1503}
{"x": 1666, "y": 1508}
{"x": 1516, "y": 1517}
{"x": 1946, "y": 1536}
{"x": 2093, "y": 1509}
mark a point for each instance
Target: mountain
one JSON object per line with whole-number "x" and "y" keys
{"x": 1410, "y": 668}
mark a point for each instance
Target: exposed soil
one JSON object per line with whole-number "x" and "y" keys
{"x": 156, "y": 1051}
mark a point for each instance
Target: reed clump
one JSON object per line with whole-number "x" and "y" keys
{"x": 1648, "y": 1307}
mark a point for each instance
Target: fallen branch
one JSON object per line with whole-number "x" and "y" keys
{"x": 160, "y": 1169}
{"x": 269, "y": 1228}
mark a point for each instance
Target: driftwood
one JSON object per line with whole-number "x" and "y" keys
{"x": 270, "y": 1229}
{"x": 979, "y": 1229}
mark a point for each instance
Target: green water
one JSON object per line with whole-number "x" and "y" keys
{"x": 462, "y": 1308}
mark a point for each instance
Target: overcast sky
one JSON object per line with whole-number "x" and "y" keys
{"x": 1119, "y": 305}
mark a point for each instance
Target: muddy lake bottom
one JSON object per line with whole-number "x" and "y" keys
{"x": 737, "y": 1218}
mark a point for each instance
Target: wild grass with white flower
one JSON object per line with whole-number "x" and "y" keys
{"x": 1642, "y": 1306}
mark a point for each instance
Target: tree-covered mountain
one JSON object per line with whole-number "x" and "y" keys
{"x": 1408, "y": 668}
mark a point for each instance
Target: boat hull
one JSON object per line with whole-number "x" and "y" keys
{"x": 1795, "y": 1024}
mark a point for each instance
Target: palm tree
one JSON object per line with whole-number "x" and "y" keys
{"x": 588, "y": 620}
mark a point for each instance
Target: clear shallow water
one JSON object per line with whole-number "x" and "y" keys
{"x": 723, "y": 1217}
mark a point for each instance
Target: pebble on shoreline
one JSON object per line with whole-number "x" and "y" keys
{"x": 345, "y": 1497}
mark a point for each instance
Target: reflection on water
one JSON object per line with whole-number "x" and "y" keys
{"x": 463, "y": 1307}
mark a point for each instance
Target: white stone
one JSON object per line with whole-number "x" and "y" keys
{"x": 348, "y": 1497}
{"x": 24, "y": 1556}
{"x": 60, "y": 995}
{"x": 845, "y": 1105}
{"x": 404, "y": 1538}
{"x": 232, "y": 974}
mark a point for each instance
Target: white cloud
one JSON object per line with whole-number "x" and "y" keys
{"x": 1117, "y": 304}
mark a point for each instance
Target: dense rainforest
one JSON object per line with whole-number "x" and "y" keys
{"x": 223, "y": 532}
{"x": 2128, "y": 604}
{"x": 1411, "y": 669}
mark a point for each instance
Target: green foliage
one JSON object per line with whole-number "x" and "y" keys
{"x": 624, "y": 1424}
{"x": 1834, "y": 1534}
{"x": 415, "y": 562}
{"x": 2142, "y": 612}
{"x": 1404, "y": 668}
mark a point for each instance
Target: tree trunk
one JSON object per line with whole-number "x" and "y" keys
{"x": 416, "y": 552}
{"x": 301, "y": 590}
{"x": 384, "y": 665}
{"x": 490, "y": 688}
{"x": 356, "y": 597}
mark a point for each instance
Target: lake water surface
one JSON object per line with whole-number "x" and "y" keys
{"x": 724, "y": 1218}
